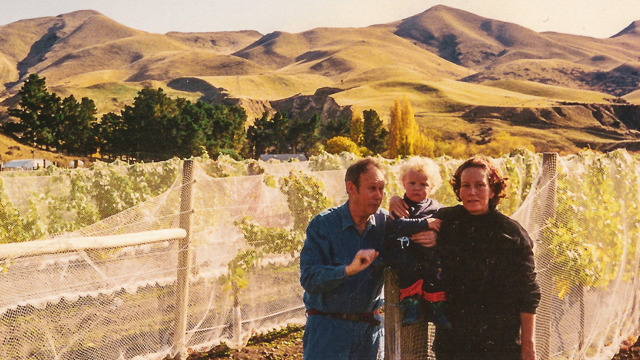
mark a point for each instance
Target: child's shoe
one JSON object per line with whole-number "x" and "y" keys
{"x": 437, "y": 315}
{"x": 410, "y": 310}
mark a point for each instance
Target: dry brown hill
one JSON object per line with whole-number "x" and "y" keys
{"x": 221, "y": 42}
{"x": 477, "y": 42}
{"x": 450, "y": 63}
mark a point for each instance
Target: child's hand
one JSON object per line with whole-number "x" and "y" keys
{"x": 398, "y": 208}
{"x": 434, "y": 224}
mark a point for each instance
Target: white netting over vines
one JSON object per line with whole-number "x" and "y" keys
{"x": 100, "y": 281}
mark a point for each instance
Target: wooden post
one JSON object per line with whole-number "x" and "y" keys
{"x": 184, "y": 261}
{"x": 544, "y": 317}
{"x": 237, "y": 317}
{"x": 392, "y": 316}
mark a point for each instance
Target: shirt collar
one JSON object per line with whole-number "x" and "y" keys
{"x": 412, "y": 203}
{"x": 347, "y": 220}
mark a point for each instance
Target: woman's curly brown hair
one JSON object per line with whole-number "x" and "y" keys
{"x": 497, "y": 182}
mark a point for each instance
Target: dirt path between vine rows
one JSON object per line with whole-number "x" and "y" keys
{"x": 287, "y": 345}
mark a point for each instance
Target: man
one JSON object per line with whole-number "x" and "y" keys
{"x": 342, "y": 273}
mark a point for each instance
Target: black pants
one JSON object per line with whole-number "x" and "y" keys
{"x": 449, "y": 345}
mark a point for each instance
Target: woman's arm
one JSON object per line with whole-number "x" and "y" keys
{"x": 528, "y": 348}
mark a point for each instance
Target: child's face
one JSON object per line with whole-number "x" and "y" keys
{"x": 416, "y": 185}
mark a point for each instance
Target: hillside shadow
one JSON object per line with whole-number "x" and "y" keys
{"x": 209, "y": 92}
{"x": 313, "y": 56}
{"x": 37, "y": 52}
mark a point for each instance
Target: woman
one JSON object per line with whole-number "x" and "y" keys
{"x": 488, "y": 268}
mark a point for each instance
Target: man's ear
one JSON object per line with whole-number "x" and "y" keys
{"x": 351, "y": 188}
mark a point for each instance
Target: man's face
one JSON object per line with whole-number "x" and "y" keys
{"x": 368, "y": 196}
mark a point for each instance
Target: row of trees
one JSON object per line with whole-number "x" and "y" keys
{"x": 363, "y": 135}
{"x": 154, "y": 127}
{"x": 157, "y": 127}
{"x": 51, "y": 122}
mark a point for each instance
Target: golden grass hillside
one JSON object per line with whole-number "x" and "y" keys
{"x": 448, "y": 62}
{"x": 474, "y": 41}
{"x": 224, "y": 43}
{"x": 10, "y": 149}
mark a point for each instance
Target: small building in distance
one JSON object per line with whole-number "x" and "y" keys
{"x": 74, "y": 164}
{"x": 283, "y": 157}
{"x": 25, "y": 164}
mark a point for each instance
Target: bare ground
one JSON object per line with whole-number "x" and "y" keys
{"x": 286, "y": 344}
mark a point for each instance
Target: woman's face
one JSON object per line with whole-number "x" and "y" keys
{"x": 416, "y": 185}
{"x": 475, "y": 192}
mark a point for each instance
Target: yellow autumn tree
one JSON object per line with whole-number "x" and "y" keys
{"x": 503, "y": 143}
{"x": 338, "y": 144}
{"x": 403, "y": 129}
{"x": 356, "y": 130}
{"x": 395, "y": 117}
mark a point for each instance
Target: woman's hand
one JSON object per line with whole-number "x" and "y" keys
{"x": 434, "y": 224}
{"x": 426, "y": 238}
{"x": 398, "y": 208}
{"x": 528, "y": 351}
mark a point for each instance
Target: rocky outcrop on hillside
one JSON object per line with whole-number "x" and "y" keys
{"x": 306, "y": 106}
{"x": 614, "y": 125}
{"x": 299, "y": 106}
{"x": 572, "y": 115}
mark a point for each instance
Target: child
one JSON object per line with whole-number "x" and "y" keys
{"x": 418, "y": 267}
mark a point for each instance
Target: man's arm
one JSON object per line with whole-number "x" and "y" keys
{"x": 398, "y": 208}
{"x": 317, "y": 273}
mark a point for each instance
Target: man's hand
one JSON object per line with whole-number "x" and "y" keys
{"x": 425, "y": 238}
{"x": 398, "y": 208}
{"x": 434, "y": 224}
{"x": 361, "y": 261}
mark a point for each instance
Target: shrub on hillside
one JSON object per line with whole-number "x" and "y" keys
{"x": 339, "y": 144}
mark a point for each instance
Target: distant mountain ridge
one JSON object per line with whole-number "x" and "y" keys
{"x": 446, "y": 61}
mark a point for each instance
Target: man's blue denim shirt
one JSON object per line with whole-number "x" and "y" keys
{"x": 331, "y": 244}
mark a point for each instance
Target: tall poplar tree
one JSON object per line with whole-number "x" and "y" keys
{"x": 408, "y": 130}
{"x": 356, "y": 129}
{"x": 395, "y": 119}
{"x": 403, "y": 129}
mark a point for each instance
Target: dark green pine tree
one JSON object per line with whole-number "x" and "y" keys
{"x": 148, "y": 133}
{"x": 76, "y": 130}
{"x": 302, "y": 135}
{"x": 269, "y": 135}
{"x": 335, "y": 127}
{"x": 37, "y": 112}
{"x": 375, "y": 134}
{"x": 111, "y": 134}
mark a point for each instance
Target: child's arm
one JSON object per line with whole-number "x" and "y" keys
{"x": 408, "y": 227}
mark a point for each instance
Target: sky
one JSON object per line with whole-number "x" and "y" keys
{"x": 594, "y": 18}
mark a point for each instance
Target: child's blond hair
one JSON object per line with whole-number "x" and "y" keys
{"x": 427, "y": 166}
